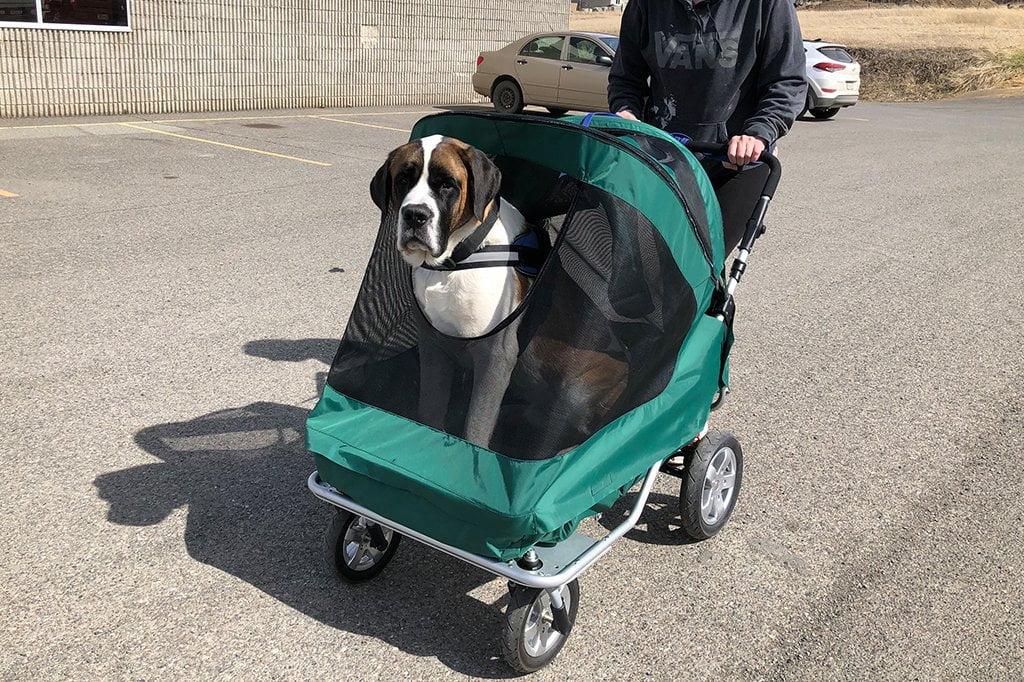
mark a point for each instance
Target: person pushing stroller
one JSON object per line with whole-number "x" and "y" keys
{"x": 719, "y": 71}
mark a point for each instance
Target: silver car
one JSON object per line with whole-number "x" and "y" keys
{"x": 560, "y": 71}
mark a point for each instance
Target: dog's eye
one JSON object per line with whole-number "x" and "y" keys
{"x": 446, "y": 186}
{"x": 405, "y": 178}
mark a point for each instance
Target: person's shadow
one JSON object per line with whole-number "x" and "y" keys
{"x": 242, "y": 474}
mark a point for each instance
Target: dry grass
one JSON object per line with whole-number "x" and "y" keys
{"x": 930, "y": 73}
{"x": 908, "y": 53}
{"x": 994, "y": 29}
{"x": 599, "y": 22}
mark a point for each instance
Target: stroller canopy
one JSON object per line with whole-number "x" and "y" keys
{"x": 612, "y": 362}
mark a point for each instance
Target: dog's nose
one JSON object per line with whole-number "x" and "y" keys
{"x": 415, "y": 215}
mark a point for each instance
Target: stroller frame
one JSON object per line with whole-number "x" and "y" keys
{"x": 548, "y": 570}
{"x": 560, "y": 564}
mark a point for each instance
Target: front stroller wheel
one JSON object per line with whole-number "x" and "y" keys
{"x": 358, "y": 548}
{"x": 532, "y": 638}
{"x": 711, "y": 483}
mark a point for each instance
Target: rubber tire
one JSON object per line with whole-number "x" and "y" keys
{"x": 691, "y": 489}
{"x": 557, "y": 111}
{"x": 519, "y": 604}
{"x": 824, "y": 113}
{"x": 500, "y": 88}
{"x": 333, "y": 551}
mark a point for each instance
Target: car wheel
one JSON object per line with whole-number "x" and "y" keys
{"x": 825, "y": 113}
{"x": 507, "y": 97}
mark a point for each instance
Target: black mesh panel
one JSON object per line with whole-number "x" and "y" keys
{"x": 597, "y": 336}
{"x": 666, "y": 153}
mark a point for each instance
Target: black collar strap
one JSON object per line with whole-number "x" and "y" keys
{"x": 469, "y": 255}
{"x": 469, "y": 245}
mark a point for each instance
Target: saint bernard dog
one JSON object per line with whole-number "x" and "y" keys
{"x": 458, "y": 236}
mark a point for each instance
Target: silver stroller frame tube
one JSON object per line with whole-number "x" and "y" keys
{"x": 561, "y": 564}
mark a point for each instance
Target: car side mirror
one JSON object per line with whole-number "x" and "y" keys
{"x": 604, "y": 60}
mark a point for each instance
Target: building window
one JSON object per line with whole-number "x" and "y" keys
{"x": 88, "y": 15}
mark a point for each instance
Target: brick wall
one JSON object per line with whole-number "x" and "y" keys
{"x": 222, "y": 55}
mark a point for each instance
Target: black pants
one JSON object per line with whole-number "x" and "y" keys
{"x": 737, "y": 192}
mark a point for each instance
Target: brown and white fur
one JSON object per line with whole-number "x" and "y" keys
{"x": 441, "y": 189}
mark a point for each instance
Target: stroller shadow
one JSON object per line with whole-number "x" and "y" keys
{"x": 293, "y": 350}
{"x": 659, "y": 523}
{"x": 241, "y": 472}
{"x": 296, "y": 350}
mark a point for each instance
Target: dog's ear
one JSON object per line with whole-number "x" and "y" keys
{"x": 484, "y": 181}
{"x": 380, "y": 186}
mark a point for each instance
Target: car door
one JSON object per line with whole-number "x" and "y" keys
{"x": 584, "y": 75}
{"x": 538, "y": 66}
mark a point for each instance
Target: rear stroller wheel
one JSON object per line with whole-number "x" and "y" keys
{"x": 531, "y": 639}
{"x": 358, "y": 548}
{"x": 711, "y": 484}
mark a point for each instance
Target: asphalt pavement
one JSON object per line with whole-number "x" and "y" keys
{"x": 172, "y": 292}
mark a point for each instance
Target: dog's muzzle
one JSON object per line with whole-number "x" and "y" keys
{"x": 417, "y": 221}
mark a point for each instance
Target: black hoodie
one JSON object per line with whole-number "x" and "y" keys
{"x": 712, "y": 70}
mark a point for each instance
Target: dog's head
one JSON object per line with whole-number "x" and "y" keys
{"x": 436, "y": 185}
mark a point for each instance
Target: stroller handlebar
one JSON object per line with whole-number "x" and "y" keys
{"x": 755, "y": 226}
{"x": 718, "y": 152}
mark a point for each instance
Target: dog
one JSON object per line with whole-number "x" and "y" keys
{"x": 444, "y": 196}
{"x": 442, "y": 190}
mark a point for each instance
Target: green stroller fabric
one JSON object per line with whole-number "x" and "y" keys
{"x": 635, "y": 264}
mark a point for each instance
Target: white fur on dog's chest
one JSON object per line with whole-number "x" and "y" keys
{"x": 465, "y": 303}
{"x": 472, "y": 302}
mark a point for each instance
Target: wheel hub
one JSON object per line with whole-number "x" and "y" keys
{"x": 539, "y": 632}
{"x": 719, "y": 485}
{"x": 359, "y": 551}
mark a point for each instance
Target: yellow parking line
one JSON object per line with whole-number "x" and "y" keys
{"x": 223, "y": 144}
{"x": 365, "y": 125}
{"x": 381, "y": 113}
{"x": 57, "y": 125}
{"x": 165, "y": 120}
{"x": 7, "y": 195}
{"x": 209, "y": 120}
{"x": 224, "y": 118}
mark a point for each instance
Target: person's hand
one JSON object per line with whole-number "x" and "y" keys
{"x": 744, "y": 149}
{"x": 628, "y": 115}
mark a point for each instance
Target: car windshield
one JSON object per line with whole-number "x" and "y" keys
{"x": 612, "y": 43}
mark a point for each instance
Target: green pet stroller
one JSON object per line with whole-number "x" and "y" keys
{"x": 633, "y": 293}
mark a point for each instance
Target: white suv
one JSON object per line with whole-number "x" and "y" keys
{"x": 833, "y": 78}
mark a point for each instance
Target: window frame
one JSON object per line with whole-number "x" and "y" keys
{"x": 601, "y": 50}
{"x": 561, "y": 53}
{"x": 39, "y": 23}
